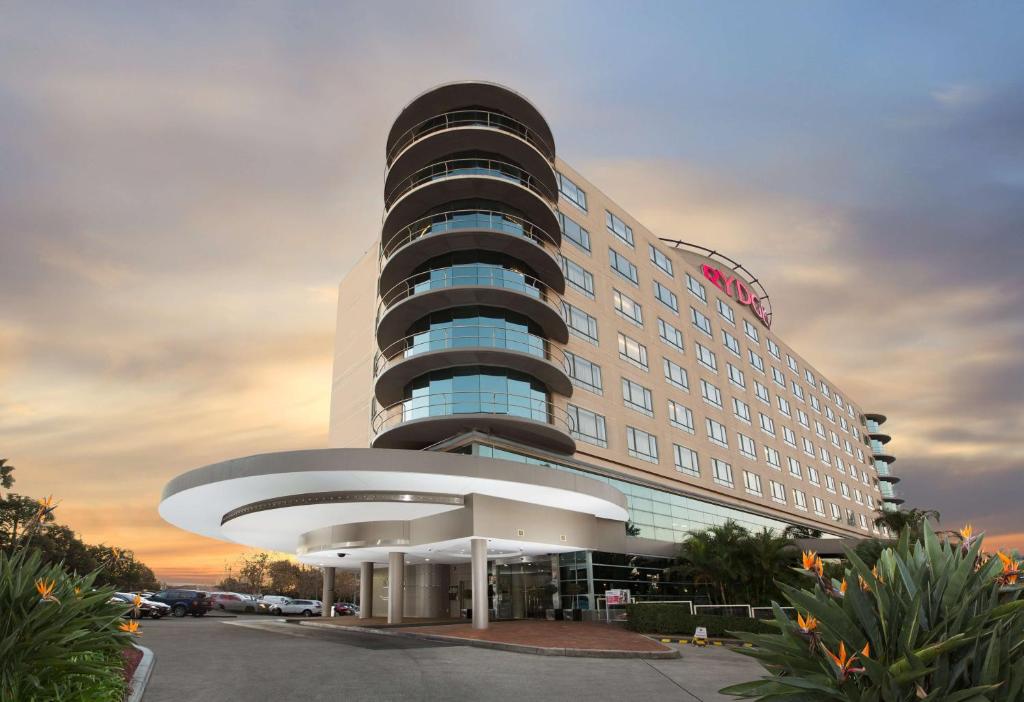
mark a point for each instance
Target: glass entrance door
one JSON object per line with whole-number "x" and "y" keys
{"x": 523, "y": 589}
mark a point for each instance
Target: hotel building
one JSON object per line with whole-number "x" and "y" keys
{"x": 535, "y": 398}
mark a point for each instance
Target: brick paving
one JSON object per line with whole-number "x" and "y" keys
{"x": 572, "y": 635}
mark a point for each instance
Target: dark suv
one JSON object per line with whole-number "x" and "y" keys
{"x": 184, "y": 602}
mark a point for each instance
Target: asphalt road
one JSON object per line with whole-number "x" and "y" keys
{"x": 252, "y": 659}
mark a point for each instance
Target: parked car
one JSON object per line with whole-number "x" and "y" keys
{"x": 182, "y": 602}
{"x": 147, "y": 608}
{"x": 345, "y": 609}
{"x": 307, "y": 608}
{"x": 232, "y": 602}
{"x": 269, "y": 604}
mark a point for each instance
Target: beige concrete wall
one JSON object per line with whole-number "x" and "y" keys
{"x": 354, "y": 348}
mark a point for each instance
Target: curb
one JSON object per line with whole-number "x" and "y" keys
{"x": 140, "y": 678}
{"x": 709, "y": 642}
{"x": 511, "y": 647}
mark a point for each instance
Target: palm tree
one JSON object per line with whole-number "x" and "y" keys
{"x": 913, "y": 519}
{"x": 716, "y": 556}
{"x": 770, "y": 556}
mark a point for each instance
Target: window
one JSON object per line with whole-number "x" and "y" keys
{"x": 783, "y": 405}
{"x": 637, "y": 397}
{"x": 716, "y": 433}
{"x": 574, "y": 232}
{"x": 762, "y": 393}
{"x": 700, "y": 321}
{"x": 670, "y": 335}
{"x": 726, "y": 312}
{"x": 623, "y": 266}
{"x": 752, "y": 483}
{"x": 773, "y": 349}
{"x": 756, "y": 361}
{"x": 808, "y": 446}
{"x": 675, "y": 374}
{"x": 778, "y": 377}
{"x": 707, "y": 357}
{"x": 804, "y": 420}
{"x": 619, "y": 228}
{"x": 843, "y": 424}
{"x": 830, "y": 483}
{"x": 799, "y": 499}
{"x": 778, "y": 491}
{"x": 588, "y": 426}
{"x": 711, "y": 393}
{"x": 835, "y": 439}
{"x": 837, "y": 514}
{"x": 798, "y": 390}
{"x": 696, "y": 288}
{"x": 823, "y": 454}
{"x": 741, "y": 409}
{"x": 767, "y": 424}
{"x": 858, "y": 497}
{"x": 666, "y": 297}
{"x": 578, "y": 277}
{"x": 830, "y": 414}
{"x": 809, "y": 377}
{"x": 571, "y": 192}
{"x": 580, "y": 323}
{"x": 791, "y": 362}
{"x": 632, "y": 351}
{"x": 794, "y": 468}
{"x": 721, "y": 472}
{"x": 812, "y": 475}
{"x": 660, "y": 260}
{"x": 815, "y": 404}
{"x": 853, "y": 468}
{"x": 747, "y": 446}
{"x": 731, "y": 342}
{"x": 628, "y": 307}
{"x": 686, "y": 460}
{"x": 583, "y": 373}
{"x": 819, "y": 428}
{"x": 642, "y": 445}
{"x": 863, "y": 522}
{"x": 680, "y": 416}
{"x": 845, "y": 490}
{"x": 736, "y": 376}
{"x": 789, "y": 436}
{"x": 751, "y": 331}
{"x": 772, "y": 458}
{"x": 819, "y": 506}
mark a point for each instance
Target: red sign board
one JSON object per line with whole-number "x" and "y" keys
{"x": 736, "y": 288}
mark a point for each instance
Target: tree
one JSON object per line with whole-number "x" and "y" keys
{"x": 770, "y": 557}
{"x": 17, "y": 514}
{"x": 6, "y": 475}
{"x": 253, "y": 572}
{"x": 913, "y": 519}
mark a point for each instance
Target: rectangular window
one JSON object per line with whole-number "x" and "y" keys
{"x": 661, "y": 260}
{"x": 686, "y": 460}
{"x": 716, "y": 433}
{"x": 778, "y": 492}
{"x": 830, "y": 483}
{"x": 789, "y": 436}
{"x": 642, "y": 445}
{"x": 829, "y": 414}
{"x": 670, "y": 335}
{"x": 762, "y": 393}
{"x": 747, "y": 446}
{"x": 812, "y": 475}
{"x": 588, "y": 426}
{"x": 819, "y": 428}
{"x": 696, "y": 288}
{"x": 837, "y": 514}
{"x": 628, "y": 308}
{"x": 711, "y": 393}
{"x": 772, "y": 458}
{"x": 767, "y": 424}
{"x": 752, "y": 483}
{"x": 756, "y": 361}
{"x": 680, "y": 416}
{"x": 804, "y": 420}
{"x": 637, "y": 397}
{"x": 819, "y": 506}
{"x": 815, "y": 404}
{"x": 583, "y": 373}
{"x": 572, "y": 231}
{"x": 778, "y": 377}
{"x": 798, "y": 390}
{"x": 722, "y": 472}
{"x": 623, "y": 266}
{"x": 809, "y": 377}
{"x": 823, "y": 454}
{"x": 578, "y": 277}
{"x": 726, "y": 312}
{"x": 731, "y": 342}
{"x": 571, "y": 192}
{"x": 791, "y": 362}
{"x": 700, "y": 321}
{"x": 783, "y": 405}
{"x": 632, "y": 351}
{"x": 580, "y": 323}
{"x": 707, "y": 357}
{"x": 845, "y": 490}
{"x": 808, "y": 446}
{"x": 773, "y": 349}
{"x": 799, "y": 500}
{"x": 736, "y": 376}
{"x": 751, "y": 331}
{"x": 619, "y": 228}
{"x": 835, "y": 439}
{"x": 675, "y": 374}
{"x": 794, "y": 468}
{"x": 666, "y": 297}
{"x": 741, "y": 409}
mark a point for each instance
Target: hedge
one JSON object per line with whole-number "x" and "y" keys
{"x": 676, "y": 619}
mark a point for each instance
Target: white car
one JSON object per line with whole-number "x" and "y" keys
{"x": 270, "y": 603}
{"x": 307, "y": 608}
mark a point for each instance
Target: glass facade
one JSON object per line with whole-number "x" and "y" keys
{"x": 466, "y": 327}
{"x": 475, "y": 268}
{"x": 473, "y": 390}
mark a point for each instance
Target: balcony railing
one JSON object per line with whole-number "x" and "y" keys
{"x": 467, "y": 220}
{"x": 457, "y": 403}
{"x": 469, "y": 167}
{"x": 470, "y": 118}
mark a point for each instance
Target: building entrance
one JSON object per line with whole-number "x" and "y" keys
{"x": 522, "y": 589}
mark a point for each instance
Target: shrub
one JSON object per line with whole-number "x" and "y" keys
{"x": 62, "y": 643}
{"x": 653, "y": 618}
{"x": 932, "y": 621}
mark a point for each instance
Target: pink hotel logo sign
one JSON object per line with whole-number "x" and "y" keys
{"x": 736, "y": 288}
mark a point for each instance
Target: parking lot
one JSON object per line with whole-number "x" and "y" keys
{"x": 254, "y": 658}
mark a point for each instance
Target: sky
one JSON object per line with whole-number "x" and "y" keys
{"x": 183, "y": 185}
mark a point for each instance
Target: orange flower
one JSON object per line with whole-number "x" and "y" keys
{"x": 864, "y": 584}
{"x": 844, "y": 664}
{"x": 806, "y": 625}
{"x": 866, "y": 651}
{"x": 967, "y": 532}
{"x": 137, "y": 601}
{"x": 115, "y": 553}
{"x": 1011, "y": 569}
{"x": 842, "y": 587}
{"x": 132, "y": 627}
{"x": 45, "y": 507}
{"x": 809, "y": 559}
{"x": 45, "y": 589}
{"x": 874, "y": 572}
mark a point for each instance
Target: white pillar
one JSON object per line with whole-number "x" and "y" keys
{"x": 478, "y": 568}
{"x": 365, "y": 590}
{"x": 396, "y": 586}
{"x": 328, "y": 596}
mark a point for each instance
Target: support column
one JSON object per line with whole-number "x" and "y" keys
{"x": 396, "y": 587}
{"x": 478, "y": 569}
{"x": 365, "y": 590}
{"x": 328, "y": 596}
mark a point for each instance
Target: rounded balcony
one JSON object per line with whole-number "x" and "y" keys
{"x": 464, "y": 130}
{"x": 880, "y": 437}
{"x": 461, "y": 95}
{"x": 881, "y": 453}
{"x": 421, "y": 421}
{"x": 471, "y": 230}
{"x": 466, "y": 285}
{"x": 874, "y": 417}
{"x": 451, "y": 347}
{"x": 470, "y": 178}
{"x": 885, "y": 473}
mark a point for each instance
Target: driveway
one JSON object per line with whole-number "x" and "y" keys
{"x": 252, "y": 659}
